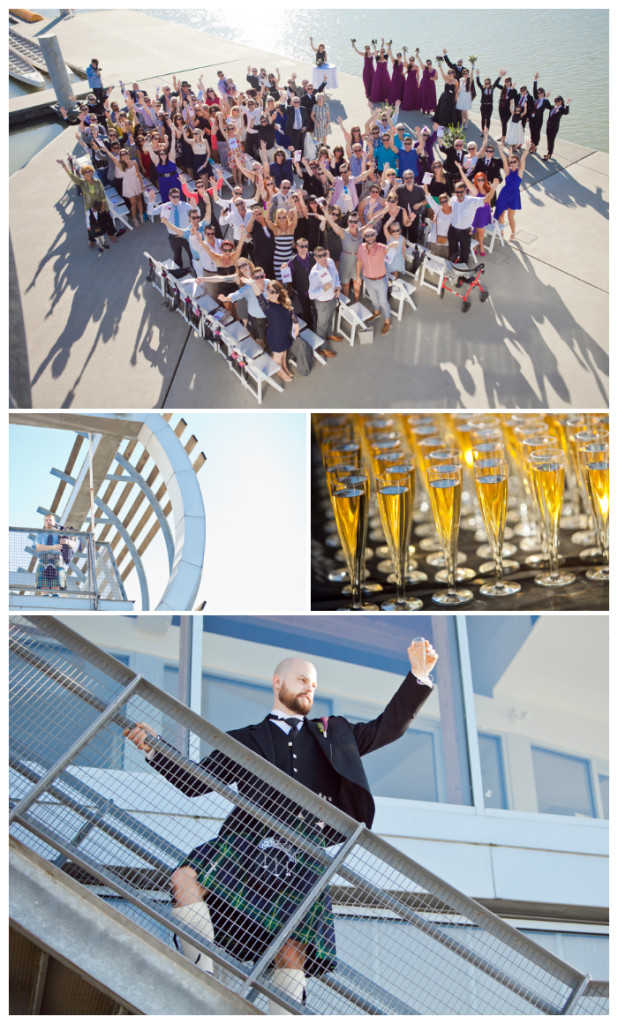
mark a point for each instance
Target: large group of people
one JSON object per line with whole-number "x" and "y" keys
{"x": 312, "y": 216}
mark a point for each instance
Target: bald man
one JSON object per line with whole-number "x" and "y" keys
{"x": 325, "y": 756}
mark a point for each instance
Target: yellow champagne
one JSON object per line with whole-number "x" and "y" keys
{"x": 395, "y": 503}
{"x": 445, "y": 497}
{"x": 491, "y": 489}
{"x": 548, "y": 483}
{"x": 597, "y": 482}
{"x": 350, "y": 504}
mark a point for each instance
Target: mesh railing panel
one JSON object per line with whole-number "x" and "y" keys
{"x": 67, "y": 573}
{"x": 594, "y": 1000}
{"x": 382, "y": 934}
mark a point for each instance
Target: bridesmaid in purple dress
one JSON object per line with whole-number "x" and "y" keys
{"x": 395, "y": 92}
{"x": 368, "y": 70}
{"x": 381, "y": 80}
{"x": 410, "y": 98}
{"x": 427, "y": 97}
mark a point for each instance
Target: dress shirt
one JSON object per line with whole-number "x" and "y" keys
{"x": 374, "y": 261}
{"x": 283, "y": 725}
{"x": 166, "y": 210}
{"x": 237, "y": 221}
{"x": 316, "y": 285}
{"x": 463, "y": 212}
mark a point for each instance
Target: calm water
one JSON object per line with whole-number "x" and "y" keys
{"x": 569, "y": 48}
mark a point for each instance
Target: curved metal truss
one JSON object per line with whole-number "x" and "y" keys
{"x": 145, "y": 487}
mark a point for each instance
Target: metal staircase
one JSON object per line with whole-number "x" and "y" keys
{"x": 88, "y": 810}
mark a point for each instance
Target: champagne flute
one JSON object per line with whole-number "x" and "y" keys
{"x": 446, "y": 458}
{"x": 350, "y": 497}
{"x": 592, "y": 435}
{"x": 491, "y": 478}
{"x": 595, "y": 464}
{"x": 395, "y": 490}
{"x": 445, "y": 495}
{"x": 547, "y": 469}
{"x": 421, "y": 654}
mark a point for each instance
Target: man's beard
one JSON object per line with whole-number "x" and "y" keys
{"x": 298, "y": 703}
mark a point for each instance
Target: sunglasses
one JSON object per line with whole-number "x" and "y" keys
{"x": 259, "y": 277}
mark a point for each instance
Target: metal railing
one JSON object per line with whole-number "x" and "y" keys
{"x": 406, "y": 941}
{"x": 84, "y": 568}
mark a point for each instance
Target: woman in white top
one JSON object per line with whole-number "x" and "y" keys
{"x": 464, "y": 96}
{"x": 438, "y": 233}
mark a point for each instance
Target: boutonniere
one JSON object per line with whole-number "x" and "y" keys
{"x": 323, "y": 726}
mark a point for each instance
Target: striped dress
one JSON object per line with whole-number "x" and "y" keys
{"x": 283, "y": 252}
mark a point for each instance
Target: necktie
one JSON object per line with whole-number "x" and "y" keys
{"x": 292, "y": 722}
{"x": 176, "y": 216}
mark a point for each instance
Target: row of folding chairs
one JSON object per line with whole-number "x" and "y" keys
{"x": 253, "y": 367}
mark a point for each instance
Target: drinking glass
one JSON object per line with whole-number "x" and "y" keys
{"x": 350, "y": 497}
{"x": 491, "y": 478}
{"x": 447, "y": 458}
{"x": 395, "y": 489}
{"x": 421, "y": 653}
{"x": 547, "y": 469}
{"x": 445, "y": 484}
{"x": 595, "y": 464}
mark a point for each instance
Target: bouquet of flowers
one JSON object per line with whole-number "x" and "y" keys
{"x": 454, "y": 131}
{"x": 352, "y": 41}
{"x": 374, "y": 42}
{"x": 472, "y": 58}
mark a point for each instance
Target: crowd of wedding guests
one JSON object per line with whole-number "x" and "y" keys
{"x": 277, "y": 218}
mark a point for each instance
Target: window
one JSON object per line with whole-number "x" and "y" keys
{"x": 563, "y": 783}
{"x": 492, "y": 770}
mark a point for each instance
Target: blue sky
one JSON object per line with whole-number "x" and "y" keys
{"x": 255, "y": 494}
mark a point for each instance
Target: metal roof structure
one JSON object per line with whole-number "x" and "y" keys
{"x": 145, "y": 488}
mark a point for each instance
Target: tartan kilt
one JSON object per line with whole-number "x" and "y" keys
{"x": 247, "y": 913}
{"x": 50, "y": 573}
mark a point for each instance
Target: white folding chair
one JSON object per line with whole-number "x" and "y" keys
{"x": 352, "y": 317}
{"x": 401, "y": 296}
{"x": 437, "y": 267}
{"x": 495, "y": 230}
{"x": 315, "y": 342}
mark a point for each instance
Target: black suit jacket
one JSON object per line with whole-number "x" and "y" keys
{"x": 300, "y": 275}
{"x": 553, "y": 120}
{"x": 451, "y": 159}
{"x": 493, "y": 169}
{"x": 536, "y": 113}
{"x": 289, "y": 118}
{"x": 343, "y": 746}
{"x": 457, "y": 71}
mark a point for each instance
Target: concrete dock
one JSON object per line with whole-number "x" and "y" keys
{"x": 99, "y": 337}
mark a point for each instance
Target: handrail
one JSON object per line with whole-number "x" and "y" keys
{"x": 468, "y": 960}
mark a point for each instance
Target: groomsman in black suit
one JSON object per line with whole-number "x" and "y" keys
{"x": 536, "y": 112}
{"x": 457, "y": 69}
{"x": 490, "y": 165}
{"x": 556, "y": 114}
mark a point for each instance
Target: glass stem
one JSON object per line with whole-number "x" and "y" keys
{"x": 553, "y": 548}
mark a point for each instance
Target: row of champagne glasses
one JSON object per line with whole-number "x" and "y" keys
{"x": 392, "y": 455}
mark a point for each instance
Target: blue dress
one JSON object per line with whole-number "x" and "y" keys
{"x": 509, "y": 198}
{"x": 167, "y": 178}
{"x": 278, "y": 332}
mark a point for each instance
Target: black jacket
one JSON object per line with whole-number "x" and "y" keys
{"x": 343, "y": 746}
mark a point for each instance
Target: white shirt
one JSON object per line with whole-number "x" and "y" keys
{"x": 317, "y": 284}
{"x": 236, "y": 219}
{"x": 464, "y": 211}
{"x": 283, "y": 725}
{"x": 166, "y": 210}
